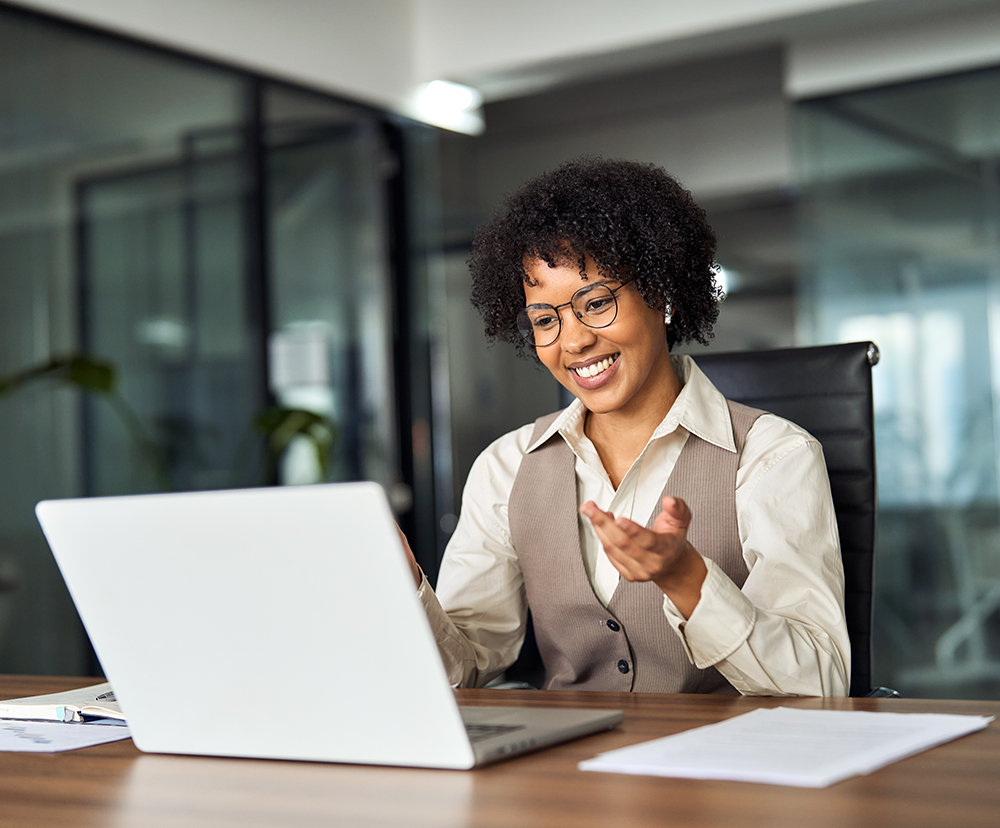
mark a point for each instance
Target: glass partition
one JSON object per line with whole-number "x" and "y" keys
{"x": 900, "y": 221}
{"x": 163, "y": 295}
{"x": 330, "y": 301}
{"x": 102, "y": 207}
{"x": 216, "y": 242}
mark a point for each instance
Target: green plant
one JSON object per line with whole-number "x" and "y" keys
{"x": 278, "y": 425}
{"x": 100, "y": 378}
{"x": 281, "y": 424}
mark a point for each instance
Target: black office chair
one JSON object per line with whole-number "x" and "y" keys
{"x": 828, "y": 391}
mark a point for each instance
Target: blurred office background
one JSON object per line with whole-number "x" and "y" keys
{"x": 241, "y": 205}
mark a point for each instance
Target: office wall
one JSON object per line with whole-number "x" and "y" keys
{"x": 931, "y": 44}
{"x": 456, "y": 38}
{"x": 379, "y": 50}
{"x": 358, "y": 49}
{"x": 718, "y": 124}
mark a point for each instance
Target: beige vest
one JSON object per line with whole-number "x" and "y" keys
{"x": 628, "y": 645}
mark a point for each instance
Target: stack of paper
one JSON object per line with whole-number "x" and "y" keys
{"x": 61, "y": 721}
{"x": 789, "y": 746}
{"x": 88, "y": 704}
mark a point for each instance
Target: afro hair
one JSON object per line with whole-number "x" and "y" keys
{"x": 634, "y": 220}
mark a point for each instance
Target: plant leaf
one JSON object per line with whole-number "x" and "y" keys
{"x": 92, "y": 374}
{"x": 281, "y": 425}
{"x": 86, "y": 372}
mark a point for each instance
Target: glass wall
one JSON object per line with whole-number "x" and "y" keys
{"x": 194, "y": 262}
{"x": 163, "y": 290}
{"x": 900, "y": 224}
{"x": 330, "y": 305}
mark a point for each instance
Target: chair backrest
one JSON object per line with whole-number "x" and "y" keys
{"x": 827, "y": 390}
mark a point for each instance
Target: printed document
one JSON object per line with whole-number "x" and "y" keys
{"x": 52, "y": 737}
{"x": 789, "y": 746}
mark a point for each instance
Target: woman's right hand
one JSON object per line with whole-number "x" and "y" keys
{"x": 414, "y": 567}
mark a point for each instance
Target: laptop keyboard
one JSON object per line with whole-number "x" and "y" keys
{"x": 478, "y": 732}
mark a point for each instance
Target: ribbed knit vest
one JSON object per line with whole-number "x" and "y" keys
{"x": 628, "y": 645}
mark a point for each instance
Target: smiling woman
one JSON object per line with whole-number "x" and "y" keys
{"x": 664, "y": 538}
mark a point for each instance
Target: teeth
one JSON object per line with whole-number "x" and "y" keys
{"x": 596, "y": 368}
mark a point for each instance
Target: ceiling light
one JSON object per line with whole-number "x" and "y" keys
{"x": 449, "y": 105}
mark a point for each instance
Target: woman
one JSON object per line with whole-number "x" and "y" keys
{"x": 664, "y": 538}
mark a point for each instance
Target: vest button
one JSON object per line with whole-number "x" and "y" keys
{"x": 623, "y": 666}
{"x": 613, "y": 625}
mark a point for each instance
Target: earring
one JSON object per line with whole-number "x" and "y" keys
{"x": 668, "y": 315}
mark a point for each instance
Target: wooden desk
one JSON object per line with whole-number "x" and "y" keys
{"x": 116, "y": 785}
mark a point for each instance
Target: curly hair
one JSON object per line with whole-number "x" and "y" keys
{"x": 634, "y": 220}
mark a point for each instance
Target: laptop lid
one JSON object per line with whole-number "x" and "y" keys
{"x": 272, "y": 623}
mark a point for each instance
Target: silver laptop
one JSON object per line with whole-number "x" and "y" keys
{"x": 276, "y": 623}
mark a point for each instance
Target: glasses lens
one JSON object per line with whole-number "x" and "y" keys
{"x": 539, "y": 324}
{"x": 595, "y": 306}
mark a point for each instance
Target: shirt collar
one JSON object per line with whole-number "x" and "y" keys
{"x": 700, "y": 408}
{"x": 569, "y": 423}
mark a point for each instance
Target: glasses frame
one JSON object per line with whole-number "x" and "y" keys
{"x": 528, "y": 331}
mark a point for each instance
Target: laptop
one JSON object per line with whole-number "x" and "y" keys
{"x": 276, "y": 623}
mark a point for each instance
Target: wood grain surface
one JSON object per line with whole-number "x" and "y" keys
{"x": 115, "y": 785}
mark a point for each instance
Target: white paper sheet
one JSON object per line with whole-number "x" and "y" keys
{"x": 789, "y": 746}
{"x": 96, "y": 703}
{"x": 52, "y": 737}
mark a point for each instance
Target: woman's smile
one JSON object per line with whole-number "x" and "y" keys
{"x": 594, "y": 373}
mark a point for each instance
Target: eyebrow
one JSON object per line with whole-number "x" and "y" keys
{"x": 606, "y": 280}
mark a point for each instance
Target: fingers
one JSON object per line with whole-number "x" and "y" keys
{"x": 676, "y": 515}
{"x": 410, "y": 558}
{"x": 673, "y": 520}
{"x": 660, "y": 554}
{"x": 636, "y": 552}
{"x": 615, "y": 532}
{"x": 631, "y": 548}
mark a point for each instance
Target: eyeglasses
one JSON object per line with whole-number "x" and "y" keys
{"x": 594, "y": 305}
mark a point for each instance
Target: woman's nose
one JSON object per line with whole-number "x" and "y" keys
{"x": 575, "y": 336}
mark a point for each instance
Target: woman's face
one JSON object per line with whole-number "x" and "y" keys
{"x": 627, "y": 359}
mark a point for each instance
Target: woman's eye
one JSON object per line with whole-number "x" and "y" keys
{"x": 545, "y": 321}
{"x": 599, "y": 305}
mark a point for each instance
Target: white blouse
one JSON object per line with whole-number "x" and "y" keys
{"x": 784, "y": 633}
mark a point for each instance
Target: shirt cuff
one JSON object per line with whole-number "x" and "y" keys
{"x": 720, "y": 623}
{"x": 435, "y": 612}
{"x": 436, "y": 615}
{"x": 444, "y": 633}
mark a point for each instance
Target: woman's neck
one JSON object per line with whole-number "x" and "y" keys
{"x": 620, "y": 436}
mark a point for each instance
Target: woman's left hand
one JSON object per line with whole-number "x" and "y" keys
{"x": 661, "y": 554}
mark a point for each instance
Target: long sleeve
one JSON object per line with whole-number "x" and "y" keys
{"x": 479, "y": 613}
